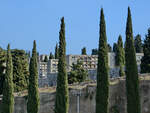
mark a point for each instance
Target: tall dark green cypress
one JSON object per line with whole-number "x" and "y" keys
{"x": 62, "y": 94}
{"x": 8, "y": 97}
{"x": 132, "y": 81}
{"x": 115, "y": 47}
{"x": 102, "y": 92}
{"x": 120, "y": 56}
{"x": 33, "y": 94}
{"x": 46, "y": 59}
{"x": 56, "y": 52}
{"x": 51, "y": 56}
{"x": 109, "y": 48}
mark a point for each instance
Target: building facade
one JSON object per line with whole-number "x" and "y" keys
{"x": 89, "y": 62}
{"x": 48, "y": 70}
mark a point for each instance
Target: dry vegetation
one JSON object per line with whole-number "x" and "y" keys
{"x": 81, "y": 85}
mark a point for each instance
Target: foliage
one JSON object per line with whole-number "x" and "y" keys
{"x": 132, "y": 81}
{"x": 62, "y": 94}
{"x": 51, "y": 56}
{"x": 115, "y": 47}
{"x": 8, "y": 97}
{"x": 121, "y": 71}
{"x": 138, "y": 44}
{"x": 20, "y": 82}
{"x": 120, "y": 56}
{"x": 20, "y": 69}
{"x": 102, "y": 90}
{"x": 145, "y": 62}
{"x": 77, "y": 74}
{"x": 46, "y": 59}
{"x": 94, "y": 51}
{"x": 109, "y": 48}
{"x": 83, "y": 51}
{"x": 56, "y": 52}
{"x": 33, "y": 94}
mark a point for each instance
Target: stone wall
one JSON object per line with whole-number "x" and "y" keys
{"x": 82, "y": 98}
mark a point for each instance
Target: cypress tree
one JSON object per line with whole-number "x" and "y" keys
{"x": 138, "y": 44}
{"x": 56, "y": 52}
{"x": 83, "y": 51}
{"x": 132, "y": 81}
{"x": 46, "y": 59}
{"x": 109, "y": 48}
{"x": 145, "y": 62}
{"x": 102, "y": 92}
{"x": 120, "y": 56}
{"x": 33, "y": 94}
{"x": 115, "y": 47}
{"x": 8, "y": 97}
{"x": 51, "y": 56}
{"x": 62, "y": 94}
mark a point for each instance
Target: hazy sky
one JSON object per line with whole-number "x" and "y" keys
{"x": 22, "y": 21}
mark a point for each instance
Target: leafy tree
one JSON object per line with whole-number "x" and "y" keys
{"x": 77, "y": 74}
{"x": 120, "y": 55}
{"x": 109, "y": 48}
{"x": 94, "y": 51}
{"x": 145, "y": 62}
{"x": 33, "y": 94}
{"x": 83, "y": 51}
{"x": 46, "y": 59}
{"x": 138, "y": 44}
{"x": 56, "y": 52}
{"x": 20, "y": 69}
{"x": 132, "y": 81}
{"x": 19, "y": 59}
{"x": 8, "y": 97}
{"x": 115, "y": 47}
{"x": 20, "y": 82}
{"x": 62, "y": 94}
{"x": 72, "y": 77}
{"x": 102, "y": 90}
{"x": 51, "y": 56}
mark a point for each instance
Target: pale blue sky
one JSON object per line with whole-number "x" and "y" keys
{"x": 22, "y": 21}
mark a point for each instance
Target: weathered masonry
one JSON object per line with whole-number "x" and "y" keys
{"x": 82, "y": 98}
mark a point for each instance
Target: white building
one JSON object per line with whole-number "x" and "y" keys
{"x": 89, "y": 62}
{"x": 52, "y": 66}
{"x": 48, "y": 70}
